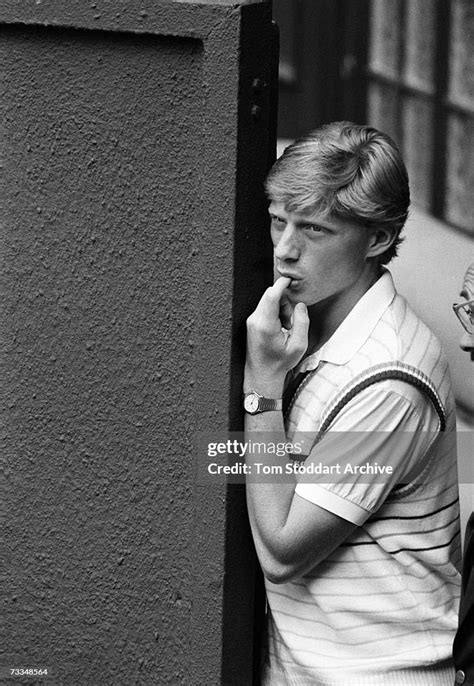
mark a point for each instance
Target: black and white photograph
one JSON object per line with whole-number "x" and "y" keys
{"x": 236, "y": 334}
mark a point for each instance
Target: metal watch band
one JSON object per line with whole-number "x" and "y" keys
{"x": 269, "y": 404}
{"x": 254, "y": 403}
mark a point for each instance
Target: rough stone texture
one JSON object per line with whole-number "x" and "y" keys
{"x": 132, "y": 208}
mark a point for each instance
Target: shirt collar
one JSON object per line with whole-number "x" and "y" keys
{"x": 356, "y": 328}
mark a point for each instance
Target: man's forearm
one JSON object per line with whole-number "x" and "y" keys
{"x": 285, "y": 544}
{"x": 269, "y": 498}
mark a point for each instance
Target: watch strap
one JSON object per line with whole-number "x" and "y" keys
{"x": 269, "y": 404}
{"x": 263, "y": 404}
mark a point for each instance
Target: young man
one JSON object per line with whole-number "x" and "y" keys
{"x": 361, "y": 573}
{"x": 463, "y": 647}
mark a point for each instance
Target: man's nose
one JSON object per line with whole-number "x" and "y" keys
{"x": 287, "y": 247}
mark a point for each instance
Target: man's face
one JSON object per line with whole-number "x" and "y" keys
{"x": 467, "y": 292}
{"x": 325, "y": 258}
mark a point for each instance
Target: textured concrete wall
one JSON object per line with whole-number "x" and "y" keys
{"x": 132, "y": 209}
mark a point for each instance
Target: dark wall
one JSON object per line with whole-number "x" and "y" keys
{"x": 132, "y": 173}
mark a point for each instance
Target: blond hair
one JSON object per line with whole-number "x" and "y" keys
{"x": 347, "y": 171}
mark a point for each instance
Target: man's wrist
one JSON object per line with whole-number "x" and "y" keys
{"x": 270, "y": 386}
{"x": 254, "y": 403}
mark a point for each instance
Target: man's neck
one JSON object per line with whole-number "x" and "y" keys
{"x": 326, "y": 316}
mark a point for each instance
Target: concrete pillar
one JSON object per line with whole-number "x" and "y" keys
{"x": 133, "y": 244}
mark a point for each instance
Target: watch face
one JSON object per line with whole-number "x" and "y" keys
{"x": 251, "y": 402}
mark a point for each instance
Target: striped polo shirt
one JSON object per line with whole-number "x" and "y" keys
{"x": 382, "y": 608}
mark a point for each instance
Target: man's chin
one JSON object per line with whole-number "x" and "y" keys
{"x": 300, "y": 296}
{"x": 296, "y": 292}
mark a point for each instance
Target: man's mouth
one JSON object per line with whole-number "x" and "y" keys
{"x": 295, "y": 280}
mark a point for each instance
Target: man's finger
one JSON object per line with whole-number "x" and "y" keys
{"x": 298, "y": 341}
{"x": 269, "y": 305}
{"x": 286, "y": 312}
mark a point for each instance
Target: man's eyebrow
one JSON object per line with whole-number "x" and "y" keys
{"x": 300, "y": 220}
{"x": 317, "y": 222}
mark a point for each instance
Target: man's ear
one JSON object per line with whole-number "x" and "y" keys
{"x": 381, "y": 238}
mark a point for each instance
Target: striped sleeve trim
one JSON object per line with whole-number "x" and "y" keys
{"x": 332, "y": 503}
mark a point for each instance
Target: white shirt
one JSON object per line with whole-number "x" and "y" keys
{"x": 383, "y": 607}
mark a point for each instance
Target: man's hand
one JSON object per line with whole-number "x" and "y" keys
{"x": 271, "y": 353}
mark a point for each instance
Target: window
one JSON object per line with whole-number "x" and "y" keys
{"x": 420, "y": 89}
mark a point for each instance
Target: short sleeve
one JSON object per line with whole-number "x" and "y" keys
{"x": 379, "y": 440}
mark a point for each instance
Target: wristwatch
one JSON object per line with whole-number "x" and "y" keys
{"x": 255, "y": 403}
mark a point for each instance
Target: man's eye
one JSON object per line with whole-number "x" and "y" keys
{"x": 314, "y": 228}
{"x": 277, "y": 221}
